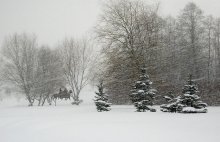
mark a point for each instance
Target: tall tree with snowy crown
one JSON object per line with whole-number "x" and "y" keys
{"x": 101, "y": 99}
{"x": 189, "y": 102}
{"x": 142, "y": 94}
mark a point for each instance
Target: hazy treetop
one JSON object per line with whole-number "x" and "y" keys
{"x": 51, "y": 20}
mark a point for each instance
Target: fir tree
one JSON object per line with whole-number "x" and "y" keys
{"x": 101, "y": 99}
{"x": 188, "y": 102}
{"x": 142, "y": 94}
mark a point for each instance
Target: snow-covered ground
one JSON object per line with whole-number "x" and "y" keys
{"x": 67, "y": 123}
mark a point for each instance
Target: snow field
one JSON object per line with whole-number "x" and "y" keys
{"x": 67, "y": 123}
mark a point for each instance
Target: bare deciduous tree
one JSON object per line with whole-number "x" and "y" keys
{"x": 76, "y": 59}
{"x": 19, "y": 52}
{"x": 48, "y": 77}
{"x": 191, "y": 35}
{"x": 129, "y": 32}
{"x": 209, "y": 27}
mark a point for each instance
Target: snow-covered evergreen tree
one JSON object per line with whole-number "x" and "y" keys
{"x": 142, "y": 94}
{"x": 188, "y": 102}
{"x": 101, "y": 99}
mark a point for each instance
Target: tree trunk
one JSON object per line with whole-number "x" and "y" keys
{"x": 31, "y": 101}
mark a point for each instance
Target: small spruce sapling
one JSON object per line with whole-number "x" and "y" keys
{"x": 101, "y": 99}
{"x": 142, "y": 94}
{"x": 188, "y": 102}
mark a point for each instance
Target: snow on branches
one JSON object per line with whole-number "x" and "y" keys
{"x": 188, "y": 102}
{"x": 142, "y": 94}
{"x": 101, "y": 99}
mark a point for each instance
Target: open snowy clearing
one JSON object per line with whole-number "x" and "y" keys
{"x": 67, "y": 123}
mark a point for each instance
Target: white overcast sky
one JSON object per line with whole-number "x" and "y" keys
{"x": 53, "y": 20}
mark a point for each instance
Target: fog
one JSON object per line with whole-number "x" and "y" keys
{"x": 52, "y": 20}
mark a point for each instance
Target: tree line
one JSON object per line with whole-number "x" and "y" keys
{"x": 40, "y": 71}
{"x": 133, "y": 34}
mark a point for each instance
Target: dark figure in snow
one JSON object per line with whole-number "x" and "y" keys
{"x": 60, "y": 91}
{"x": 188, "y": 102}
{"x": 61, "y": 95}
{"x": 65, "y": 91}
{"x": 101, "y": 99}
{"x": 142, "y": 94}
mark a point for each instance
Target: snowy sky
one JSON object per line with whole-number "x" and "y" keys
{"x": 52, "y": 20}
